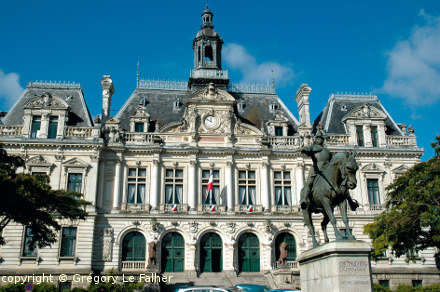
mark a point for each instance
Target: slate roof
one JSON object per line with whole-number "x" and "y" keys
{"x": 338, "y": 106}
{"x": 79, "y": 114}
{"x": 160, "y": 107}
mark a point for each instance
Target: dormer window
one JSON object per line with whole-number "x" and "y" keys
{"x": 278, "y": 131}
{"x": 36, "y": 125}
{"x": 374, "y": 136}
{"x": 273, "y": 107}
{"x": 139, "y": 127}
{"x": 176, "y": 104}
{"x": 53, "y": 126}
{"x": 360, "y": 136}
{"x": 240, "y": 105}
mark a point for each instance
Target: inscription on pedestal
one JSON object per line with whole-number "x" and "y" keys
{"x": 353, "y": 266}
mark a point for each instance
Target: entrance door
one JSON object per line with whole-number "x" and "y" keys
{"x": 173, "y": 253}
{"x": 211, "y": 253}
{"x": 133, "y": 247}
{"x": 291, "y": 246}
{"x": 249, "y": 253}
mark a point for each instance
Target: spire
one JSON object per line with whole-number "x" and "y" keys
{"x": 207, "y": 17}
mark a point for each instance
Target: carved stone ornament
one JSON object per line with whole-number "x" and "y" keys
{"x": 365, "y": 111}
{"x": 231, "y": 227}
{"x": 193, "y": 227}
{"x": 107, "y": 244}
{"x": 372, "y": 167}
{"x": 46, "y": 100}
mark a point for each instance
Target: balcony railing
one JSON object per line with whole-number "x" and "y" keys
{"x": 284, "y": 142}
{"x": 129, "y": 207}
{"x": 376, "y": 207}
{"x": 207, "y": 209}
{"x": 402, "y": 141}
{"x": 287, "y": 209}
{"x": 244, "y": 209}
{"x": 133, "y": 266}
{"x": 11, "y": 131}
{"x": 175, "y": 208}
{"x": 82, "y": 132}
{"x": 206, "y": 73}
{"x": 290, "y": 264}
{"x": 338, "y": 140}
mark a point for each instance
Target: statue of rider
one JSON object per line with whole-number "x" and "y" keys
{"x": 321, "y": 157}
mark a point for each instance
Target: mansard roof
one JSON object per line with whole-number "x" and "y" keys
{"x": 342, "y": 106}
{"x": 69, "y": 94}
{"x": 160, "y": 105}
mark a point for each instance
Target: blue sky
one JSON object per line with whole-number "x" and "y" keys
{"x": 389, "y": 48}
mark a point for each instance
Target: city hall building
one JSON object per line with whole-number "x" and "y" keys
{"x": 146, "y": 171}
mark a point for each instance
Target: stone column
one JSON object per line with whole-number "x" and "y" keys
{"x": 155, "y": 179}
{"x": 265, "y": 191}
{"x": 117, "y": 185}
{"x": 192, "y": 188}
{"x": 367, "y": 136}
{"x": 92, "y": 178}
{"x": 124, "y": 185}
{"x": 100, "y": 200}
{"x": 381, "y": 136}
{"x": 229, "y": 186}
{"x": 299, "y": 181}
{"x": 44, "y": 127}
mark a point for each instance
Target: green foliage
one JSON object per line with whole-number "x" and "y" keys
{"x": 29, "y": 200}
{"x": 42, "y": 287}
{"x": 11, "y": 287}
{"x": 380, "y": 288}
{"x": 116, "y": 287}
{"x": 411, "y": 221}
{"x": 45, "y": 287}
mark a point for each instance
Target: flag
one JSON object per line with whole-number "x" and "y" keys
{"x": 174, "y": 207}
{"x": 250, "y": 208}
{"x": 209, "y": 187}
{"x": 212, "y": 208}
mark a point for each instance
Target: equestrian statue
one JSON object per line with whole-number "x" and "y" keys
{"x": 327, "y": 187}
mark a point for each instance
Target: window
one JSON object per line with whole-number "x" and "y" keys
{"x": 208, "y": 53}
{"x": 133, "y": 247}
{"x": 53, "y": 125}
{"x": 373, "y": 191}
{"x": 68, "y": 242}
{"x": 416, "y": 283}
{"x": 36, "y": 124}
{"x": 173, "y": 186}
{"x": 360, "y": 135}
{"x": 374, "y": 136}
{"x": 278, "y": 131}
{"x": 213, "y": 197}
{"x": 247, "y": 187}
{"x": 28, "y": 250}
{"x": 74, "y": 182}
{"x": 283, "y": 188}
{"x": 138, "y": 127}
{"x": 384, "y": 283}
{"x": 64, "y": 286}
{"x": 136, "y": 185}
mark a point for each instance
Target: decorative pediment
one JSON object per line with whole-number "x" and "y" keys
{"x": 372, "y": 167}
{"x": 400, "y": 169}
{"x": 141, "y": 113}
{"x": 365, "y": 111}
{"x": 39, "y": 161}
{"x": 211, "y": 93}
{"x": 46, "y": 100}
{"x": 246, "y": 129}
{"x": 76, "y": 163}
{"x": 279, "y": 117}
{"x": 113, "y": 120}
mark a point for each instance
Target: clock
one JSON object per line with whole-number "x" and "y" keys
{"x": 210, "y": 121}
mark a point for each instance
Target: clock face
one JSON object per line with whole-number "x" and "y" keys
{"x": 210, "y": 121}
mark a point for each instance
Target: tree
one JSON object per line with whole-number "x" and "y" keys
{"x": 411, "y": 220}
{"x": 29, "y": 200}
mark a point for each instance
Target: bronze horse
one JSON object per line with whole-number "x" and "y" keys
{"x": 339, "y": 174}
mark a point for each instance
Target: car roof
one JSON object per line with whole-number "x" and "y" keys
{"x": 202, "y": 288}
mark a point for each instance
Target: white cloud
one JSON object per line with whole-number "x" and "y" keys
{"x": 10, "y": 88}
{"x": 238, "y": 58}
{"x": 414, "y": 65}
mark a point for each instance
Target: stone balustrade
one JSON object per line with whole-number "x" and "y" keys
{"x": 284, "y": 142}
{"x": 206, "y": 209}
{"x": 133, "y": 266}
{"x": 338, "y": 140}
{"x": 11, "y": 131}
{"x": 209, "y": 73}
{"x": 376, "y": 207}
{"x": 290, "y": 264}
{"x": 281, "y": 209}
{"x": 402, "y": 141}
{"x": 82, "y": 132}
{"x": 129, "y": 207}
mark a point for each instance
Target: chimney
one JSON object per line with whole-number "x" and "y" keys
{"x": 302, "y": 99}
{"x": 107, "y": 92}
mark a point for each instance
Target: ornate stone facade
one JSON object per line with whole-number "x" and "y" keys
{"x": 146, "y": 172}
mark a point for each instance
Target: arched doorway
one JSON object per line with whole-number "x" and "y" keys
{"x": 173, "y": 253}
{"x": 211, "y": 253}
{"x": 248, "y": 253}
{"x": 133, "y": 247}
{"x": 291, "y": 246}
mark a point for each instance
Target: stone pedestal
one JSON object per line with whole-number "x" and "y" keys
{"x": 337, "y": 266}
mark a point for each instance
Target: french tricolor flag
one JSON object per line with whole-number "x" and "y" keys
{"x": 174, "y": 207}
{"x": 250, "y": 208}
{"x": 212, "y": 208}
{"x": 210, "y": 183}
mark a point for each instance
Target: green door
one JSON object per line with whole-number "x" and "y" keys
{"x": 173, "y": 253}
{"x": 291, "y": 246}
{"x": 133, "y": 247}
{"x": 249, "y": 253}
{"x": 211, "y": 253}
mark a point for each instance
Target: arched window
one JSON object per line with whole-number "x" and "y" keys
{"x": 208, "y": 53}
{"x": 291, "y": 246}
{"x": 133, "y": 247}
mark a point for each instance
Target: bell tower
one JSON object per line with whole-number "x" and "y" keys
{"x": 207, "y": 47}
